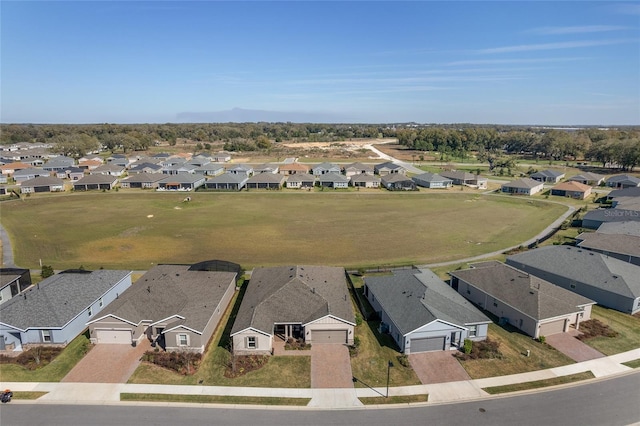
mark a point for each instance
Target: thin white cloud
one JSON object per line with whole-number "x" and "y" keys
{"x": 512, "y": 61}
{"x": 576, "y": 29}
{"x": 554, "y": 46}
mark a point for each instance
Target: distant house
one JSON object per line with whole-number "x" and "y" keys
{"x": 241, "y": 169}
{"x": 13, "y": 281}
{"x": 311, "y": 303}
{"x": 358, "y": 169}
{"x": 588, "y": 178}
{"x": 300, "y": 180}
{"x": 548, "y": 176}
{"x": 422, "y": 313}
{"x": 111, "y": 169}
{"x": 266, "y": 168}
{"x": 42, "y": 184}
{"x": 397, "y": 182}
{"x": 27, "y": 174}
{"x": 174, "y": 306}
{"x": 333, "y": 180}
{"x": 623, "y": 181}
{"x": 145, "y": 167}
{"x": 609, "y": 281}
{"x": 620, "y": 246}
{"x": 181, "y": 182}
{"x": 466, "y": 179}
{"x": 324, "y": 168}
{"x": 620, "y": 228}
{"x": 59, "y": 163}
{"x": 89, "y": 164}
{"x": 177, "y": 169}
{"x": 363, "y": 180}
{"x": 572, "y": 189}
{"x": 210, "y": 169}
{"x": 523, "y": 186}
{"x": 142, "y": 181}
{"x": 221, "y": 157}
{"x": 56, "y": 310}
{"x": 388, "y": 168}
{"x": 92, "y": 182}
{"x": 10, "y": 168}
{"x": 595, "y": 218}
{"x": 432, "y": 180}
{"x": 265, "y": 181}
{"x": 71, "y": 173}
{"x": 531, "y": 304}
{"x": 227, "y": 182}
{"x": 293, "y": 169}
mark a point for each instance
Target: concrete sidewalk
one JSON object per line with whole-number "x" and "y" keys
{"x": 109, "y": 393}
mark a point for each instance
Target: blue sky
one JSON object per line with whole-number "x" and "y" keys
{"x": 503, "y": 62}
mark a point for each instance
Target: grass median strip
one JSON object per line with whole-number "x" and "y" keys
{"x": 213, "y": 399}
{"x": 633, "y": 364}
{"x": 401, "y": 399}
{"x": 28, "y": 395}
{"x": 539, "y": 383}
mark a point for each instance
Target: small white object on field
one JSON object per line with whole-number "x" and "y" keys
{"x": 149, "y": 216}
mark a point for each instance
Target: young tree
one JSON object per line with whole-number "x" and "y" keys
{"x": 47, "y": 271}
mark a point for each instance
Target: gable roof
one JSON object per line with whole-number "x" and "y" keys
{"x": 58, "y": 299}
{"x": 583, "y": 266}
{"x": 534, "y": 297}
{"x": 144, "y": 177}
{"x": 96, "y": 179}
{"x": 573, "y": 186}
{"x": 295, "y": 294}
{"x": 108, "y": 168}
{"x": 360, "y": 167}
{"x": 524, "y": 183}
{"x": 229, "y": 178}
{"x": 388, "y": 165}
{"x": 623, "y": 228}
{"x": 294, "y": 167}
{"x": 267, "y": 178}
{"x": 42, "y": 181}
{"x": 172, "y": 290}
{"x": 138, "y": 167}
{"x": 301, "y": 177}
{"x": 430, "y": 177}
{"x": 395, "y": 178}
{"x": 622, "y": 244}
{"x": 548, "y": 173}
{"x": 333, "y": 177}
{"x": 626, "y": 192}
{"x": 413, "y": 299}
{"x": 31, "y": 171}
{"x": 327, "y": 166}
{"x": 587, "y": 176}
{"x": 363, "y": 177}
{"x": 624, "y": 179}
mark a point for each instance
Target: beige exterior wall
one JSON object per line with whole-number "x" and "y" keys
{"x": 263, "y": 343}
{"x": 328, "y": 323}
{"x": 173, "y": 343}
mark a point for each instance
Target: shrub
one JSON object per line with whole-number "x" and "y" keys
{"x": 468, "y": 345}
{"x": 542, "y": 339}
{"x": 486, "y": 349}
{"x": 595, "y": 328}
{"x": 403, "y": 360}
{"x": 355, "y": 348}
{"x": 33, "y": 358}
{"x": 240, "y": 365}
{"x": 185, "y": 363}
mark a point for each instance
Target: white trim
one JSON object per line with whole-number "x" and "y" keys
{"x": 167, "y": 318}
{"x": 439, "y": 321}
{"x": 251, "y": 329}
{"x": 182, "y": 327}
{"x": 113, "y": 316}
{"x": 329, "y": 316}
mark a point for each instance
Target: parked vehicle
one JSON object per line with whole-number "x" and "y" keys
{"x": 6, "y": 396}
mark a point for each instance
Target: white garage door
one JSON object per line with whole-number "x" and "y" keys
{"x": 329, "y": 336}
{"x": 114, "y": 336}
{"x": 550, "y": 328}
{"x": 427, "y": 344}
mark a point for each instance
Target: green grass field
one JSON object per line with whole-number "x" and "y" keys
{"x": 136, "y": 230}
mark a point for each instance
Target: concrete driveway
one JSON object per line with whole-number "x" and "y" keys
{"x": 437, "y": 367}
{"x": 330, "y": 366}
{"x": 572, "y": 347}
{"x": 108, "y": 364}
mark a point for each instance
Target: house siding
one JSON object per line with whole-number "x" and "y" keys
{"x": 328, "y": 323}
{"x": 195, "y": 341}
{"x": 434, "y": 329}
{"x": 263, "y": 343}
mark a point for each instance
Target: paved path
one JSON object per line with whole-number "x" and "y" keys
{"x": 568, "y": 344}
{"x": 7, "y": 250}
{"x": 92, "y": 393}
{"x": 437, "y": 367}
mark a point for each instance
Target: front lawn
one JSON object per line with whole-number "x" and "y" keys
{"x": 52, "y": 372}
{"x": 514, "y": 346}
{"x": 627, "y": 326}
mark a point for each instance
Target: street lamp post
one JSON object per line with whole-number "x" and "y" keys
{"x": 389, "y": 365}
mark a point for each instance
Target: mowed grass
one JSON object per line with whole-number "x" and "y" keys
{"x": 213, "y": 399}
{"x": 627, "y": 326}
{"x": 136, "y": 230}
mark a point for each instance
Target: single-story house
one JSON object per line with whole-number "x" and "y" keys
{"x": 532, "y": 305}
{"x": 227, "y": 182}
{"x": 59, "y": 163}
{"x": 110, "y": 169}
{"x": 221, "y": 157}
{"x": 588, "y": 178}
{"x": 620, "y": 246}
{"x": 302, "y": 302}
{"x": 398, "y": 182}
{"x": 364, "y": 180}
{"x": 145, "y": 167}
{"x": 324, "y": 168}
{"x": 200, "y": 160}
{"x": 89, "y": 164}
{"x": 23, "y": 175}
{"x": 357, "y": 169}
{"x": 210, "y": 169}
{"x": 548, "y": 176}
{"x": 572, "y": 189}
{"x": 388, "y": 168}
{"x": 33, "y": 161}
{"x": 142, "y": 180}
{"x": 181, "y": 182}
{"x": 95, "y": 182}
{"x": 422, "y": 313}
{"x": 174, "y": 306}
{"x": 265, "y": 180}
{"x": 609, "y": 281}
{"x": 71, "y": 173}
{"x": 524, "y": 186}
{"x": 56, "y": 310}
{"x": 333, "y": 180}
{"x": 300, "y": 180}
{"x": 241, "y": 169}
{"x": 120, "y": 160}
{"x": 623, "y": 181}
{"x": 432, "y": 180}
{"x": 42, "y": 184}
{"x": 266, "y": 168}
{"x": 466, "y": 178}
{"x": 178, "y": 169}
{"x": 293, "y": 169}
{"x": 626, "y": 192}
{"x": 594, "y": 218}
{"x": 10, "y": 168}
{"x": 13, "y": 281}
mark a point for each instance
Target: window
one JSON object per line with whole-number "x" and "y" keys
{"x": 100, "y": 302}
{"x": 251, "y": 342}
{"x": 473, "y": 330}
{"x": 89, "y": 311}
{"x": 183, "y": 340}
{"x": 46, "y": 335}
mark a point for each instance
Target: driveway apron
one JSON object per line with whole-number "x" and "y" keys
{"x": 330, "y": 366}
{"x": 572, "y": 347}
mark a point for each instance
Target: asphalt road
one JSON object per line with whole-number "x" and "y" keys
{"x": 608, "y": 402}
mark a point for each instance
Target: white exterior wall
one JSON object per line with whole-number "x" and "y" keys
{"x": 328, "y": 323}
{"x": 433, "y": 329}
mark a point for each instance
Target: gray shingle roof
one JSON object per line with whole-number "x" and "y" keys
{"x": 96, "y": 179}
{"x": 612, "y": 215}
{"x": 183, "y": 178}
{"x": 332, "y": 177}
{"x": 430, "y": 177}
{"x": 528, "y": 294}
{"x": 362, "y": 177}
{"x": 415, "y": 298}
{"x": 624, "y": 178}
{"x": 301, "y": 177}
{"x": 267, "y": 178}
{"x": 612, "y": 243}
{"x": 622, "y": 228}
{"x": 144, "y": 177}
{"x": 229, "y": 178}
{"x": 58, "y": 299}
{"x": 548, "y": 173}
{"x": 295, "y": 294}
{"x": 168, "y": 290}
{"x": 359, "y": 167}
{"x": 626, "y": 192}
{"x": 42, "y": 181}
{"x": 583, "y": 266}
{"x": 525, "y": 183}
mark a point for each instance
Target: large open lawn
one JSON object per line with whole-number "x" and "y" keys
{"x": 135, "y": 230}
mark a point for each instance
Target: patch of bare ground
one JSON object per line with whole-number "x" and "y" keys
{"x": 595, "y": 328}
